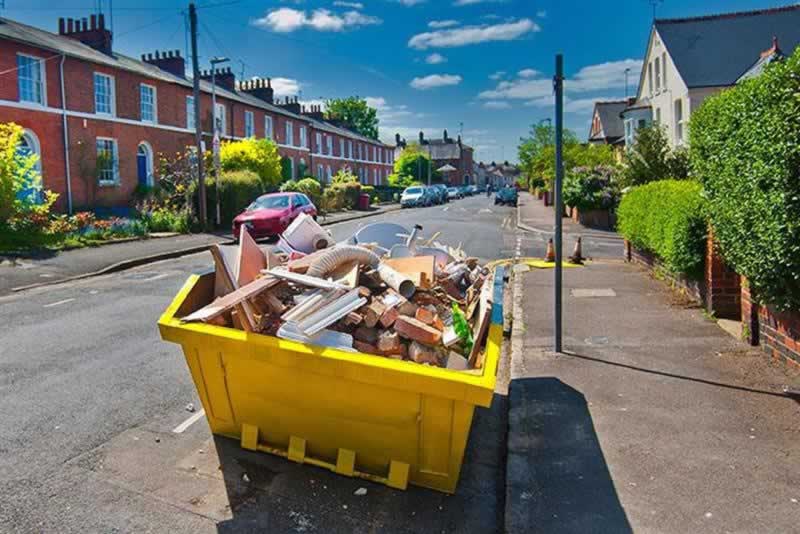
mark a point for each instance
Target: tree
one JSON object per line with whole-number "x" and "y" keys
{"x": 412, "y": 165}
{"x": 651, "y": 159}
{"x": 537, "y": 152}
{"x": 355, "y": 114}
{"x": 18, "y": 174}
{"x": 257, "y": 155}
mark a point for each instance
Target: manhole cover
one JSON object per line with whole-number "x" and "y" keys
{"x": 593, "y": 293}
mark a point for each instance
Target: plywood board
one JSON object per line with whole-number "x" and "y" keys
{"x": 420, "y": 269}
{"x": 225, "y": 278}
{"x": 250, "y": 259}
{"x": 229, "y": 301}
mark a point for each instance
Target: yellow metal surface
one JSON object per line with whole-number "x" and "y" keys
{"x": 385, "y": 420}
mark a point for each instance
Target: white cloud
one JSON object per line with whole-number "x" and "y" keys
{"x": 468, "y": 35}
{"x": 599, "y": 77}
{"x": 497, "y": 75}
{"x": 285, "y": 86}
{"x": 435, "y": 80}
{"x": 442, "y": 23}
{"x": 351, "y": 5}
{"x": 541, "y": 14}
{"x": 497, "y": 104}
{"x": 473, "y": 2}
{"x": 528, "y": 73}
{"x": 409, "y": 3}
{"x": 286, "y": 20}
{"x": 435, "y": 59}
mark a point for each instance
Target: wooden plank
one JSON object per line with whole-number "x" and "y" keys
{"x": 250, "y": 259}
{"x": 224, "y": 275}
{"x": 346, "y": 274}
{"x": 482, "y": 326}
{"x": 229, "y": 301}
{"x": 301, "y": 265}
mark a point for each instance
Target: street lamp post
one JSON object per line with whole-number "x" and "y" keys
{"x": 215, "y": 143}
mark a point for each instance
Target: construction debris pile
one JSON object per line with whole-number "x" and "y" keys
{"x": 385, "y": 292}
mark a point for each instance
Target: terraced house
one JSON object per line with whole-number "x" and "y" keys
{"x": 98, "y": 119}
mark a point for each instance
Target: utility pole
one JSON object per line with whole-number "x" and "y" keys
{"x": 558, "y": 82}
{"x": 198, "y": 127}
{"x": 217, "y": 133}
{"x": 627, "y": 71}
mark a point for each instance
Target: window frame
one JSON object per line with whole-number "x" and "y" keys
{"x": 154, "y": 103}
{"x": 269, "y": 127}
{"x": 221, "y": 115}
{"x": 341, "y": 147}
{"x": 191, "y": 124}
{"x": 329, "y": 145}
{"x": 115, "y": 161}
{"x": 679, "y": 123}
{"x": 42, "y": 80}
{"x": 318, "y": 143}
{"x": 303, "y": 137}
{"x": 112, "y": 101}
{"x": 249, "y": 124}
{"x": 288, "y": 131}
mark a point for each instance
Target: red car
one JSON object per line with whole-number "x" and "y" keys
{"x": 269, "y": 215}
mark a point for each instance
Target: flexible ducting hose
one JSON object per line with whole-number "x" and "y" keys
{"x": 339, "y": 256}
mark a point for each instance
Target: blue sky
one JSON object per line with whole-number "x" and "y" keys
{"x": 426, "y": 64}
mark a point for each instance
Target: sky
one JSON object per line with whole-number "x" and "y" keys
{"x": 482, "y": 68}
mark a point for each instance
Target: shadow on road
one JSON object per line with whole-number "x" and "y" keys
{"x": 558, "y": 479}
{"x": 267, "y": 493}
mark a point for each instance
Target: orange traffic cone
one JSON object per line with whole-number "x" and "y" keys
{"x": 577, "y": 254}
{"x": 550, "y": 256}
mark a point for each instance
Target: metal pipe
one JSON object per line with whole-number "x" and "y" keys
{"x": 65, "y": 129}
{"x": 399, "y": 282}
{"x": 559, "y": 87}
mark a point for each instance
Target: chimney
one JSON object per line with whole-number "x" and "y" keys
{"x": 93, "y": 34}
{"x": 774, "y": 49}
{"x": 258, "y": 87}
{"x": 224, "y": 78}
{"x": 291, "y": 104}
{"x": 170, "y": 61}
{"x": 444, "y": 137}
{"x": 315, "y": 112}
{"x": 421, "y": 138}
{"x": 459, "y": 140}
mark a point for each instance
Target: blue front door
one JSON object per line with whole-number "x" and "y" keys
{"x": 141, "y": 168}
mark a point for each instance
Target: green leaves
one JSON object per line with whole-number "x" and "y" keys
{"x": 667, "y": 218}
{"x": 355, "y": 114}
{"x": 651, "y": 159}
{"x": 746, "y": 150}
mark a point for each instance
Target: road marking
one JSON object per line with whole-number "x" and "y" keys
{"x": 484, "y": 210}
{"x": 189, "y": 422}
{"x": 58, "y": 303}
{"x": 155, "y": 277}
{"x": 446, "y": 208}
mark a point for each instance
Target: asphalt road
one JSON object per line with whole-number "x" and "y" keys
{"x": 90, "y": 395}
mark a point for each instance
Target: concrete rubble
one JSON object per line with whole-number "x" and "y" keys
{"x": 397, "y": 296}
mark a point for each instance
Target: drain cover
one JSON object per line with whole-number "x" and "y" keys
{"x": 593, "y": 293}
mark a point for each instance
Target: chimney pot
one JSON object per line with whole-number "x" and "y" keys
{"x": 177, "y": 53}
{"x": 101, "y": 21}
{"x": 269, "y": 83}
{"x": 61, "y": 25}
{"x": 157, "y": 55}
{"x": 84, "y": 24}
{"x": 69, "y": 25}
{"x": 93, "y": 22}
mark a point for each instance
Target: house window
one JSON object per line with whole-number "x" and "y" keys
{"x": 29, "y": 146}
{"x": 329, "y": 173}
{"x": 330, "y": 145}
{"x": 303, "y": 136}
{"x": 268, "y": 127}
{"x": 31, "y": 79}
{"x": 658, "y": 115}
{"x": 658, "y": 74}
{"x": 221, "y": 122}
{"x": 302, "y": 168}
{"x": 360, "y": 155}
{"x": 249, "y": 124}
{"x": 103, "y": 94}
{"x": 320, "y": 173}
{"x": 642, "y": 124}
{"x": 350, "y": 150}
{"x": 107, "y": 161}
{"x": 374, "y": 176}
{"x": 147, "y": 103}
{"x": 341, "y": 148}
{"x": 289, "y": 133}
{"x": 679, "y": 121}
{"x": 190, "y": 124}
{"x": 650, "y": 78}
{"x": 318, "y": 143}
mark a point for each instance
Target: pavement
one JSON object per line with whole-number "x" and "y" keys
{"x": 49, "y": 267}
{"x": 91, "y": 397}
{"x": 652, "y": 420}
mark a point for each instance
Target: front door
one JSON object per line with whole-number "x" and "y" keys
{"x": 142, "y": 165}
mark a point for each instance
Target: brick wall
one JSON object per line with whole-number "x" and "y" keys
{"x": 778, "y": 333}
{"x": 723, "y": 290}
{"x": 693, "y": 289}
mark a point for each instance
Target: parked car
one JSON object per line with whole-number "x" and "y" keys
{"x": 465, "y": 191}
{"x": 454, "y": 193}
{"x": 269, "y": 215}
{"x": 441, "y": 193}
{"x": 472, "y": 189}
{"x": 481, "y": 189}
{"x": 430, "y": 197}
{"x": 506, "y": 196}
{"x": 413, "y": 196}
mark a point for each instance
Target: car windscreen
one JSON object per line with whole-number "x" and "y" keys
{"x": 414, "y": 190}
{"x": 270, "y": 203}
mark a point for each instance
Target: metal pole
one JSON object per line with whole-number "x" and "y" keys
{"x": 215, "y": 142}
{"x": 559, "y": 87}
{"x": 198, "y": 127}
{"x": 430, "y": 164}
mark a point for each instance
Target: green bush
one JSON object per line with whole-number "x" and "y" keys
{"x": 238, "y": 189}
{"x": 256, "y": 155}
{"x": 590, "y": 188}
{"x": 386, "y": 193}
{"x": 650, "y": 158}
{"x": 745, "y": 148}
{"x": 667, "y": 218}
{"x": 308, "y": 186}
{"x": 333, "y": 198}
{"x": 165, "y": 220}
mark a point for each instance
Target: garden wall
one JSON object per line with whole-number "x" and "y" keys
{"x": 777, "y": 332}
{"x": 693, "y": 289}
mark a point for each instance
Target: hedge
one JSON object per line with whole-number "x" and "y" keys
{"x": 745, "y": 148}
{"x": 668, "y": 219}
{"x": 591, "y": 188}
{"x": 308, "y": 186}
{"x": 238, "y": 190}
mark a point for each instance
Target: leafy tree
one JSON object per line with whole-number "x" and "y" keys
{"x": 355, "y": 114}
{"x": 537, "y": 153}
{"x": 257, "y": 155}
{"x": 413, "y": 165}
{"x": 651, "y": 159}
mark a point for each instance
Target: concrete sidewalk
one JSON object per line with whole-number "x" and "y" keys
{"x": 653, "y": 420}
{"x": 55, "y": 267}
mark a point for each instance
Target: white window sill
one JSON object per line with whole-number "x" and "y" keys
{"x": 34, "y": 103}
{"x": 108, "y": 183}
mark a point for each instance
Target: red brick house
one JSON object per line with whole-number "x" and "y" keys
{"x": 76, "y": 97}
{"x": 448, "y": 151}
